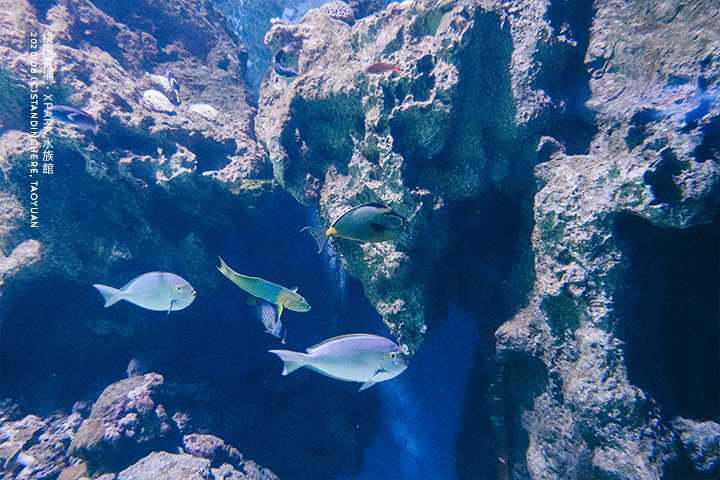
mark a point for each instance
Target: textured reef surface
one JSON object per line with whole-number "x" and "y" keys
{"x": 559, "y": 163}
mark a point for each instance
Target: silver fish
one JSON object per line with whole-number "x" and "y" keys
{"x": 73, "y": 116}
{"x": 353, "y": 358}
{"x": 161, "y": 291}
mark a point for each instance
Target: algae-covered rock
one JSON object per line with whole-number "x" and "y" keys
{"x": 339, "y": 137}
{"x": 157, "y": 102}
{"x": 166, "y": 466}
{"x": 139, "y": 191}
{"x": 600, "y": 220}
{"x": 126, "y": 419}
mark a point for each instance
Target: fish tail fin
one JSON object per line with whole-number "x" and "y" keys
{"x": 396, "y": 68}
{"x": 293, "y": 360}
{"x": 318, "y": 233}
{"x": 110, "y": 294}
{"x": 225, "y": 270}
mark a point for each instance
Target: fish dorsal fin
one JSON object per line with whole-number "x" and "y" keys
{"x": 294, "y": 289}
{"x": 349, "y": 335}
{"x": 124, "y": 287}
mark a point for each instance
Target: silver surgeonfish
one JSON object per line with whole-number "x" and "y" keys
{"x": 372, "y": 222}
{"x": 268, "y": 291}
{"x": 161, "y": 291}
{"x": 73, "y": 116}
{"x": 353, "y": 358}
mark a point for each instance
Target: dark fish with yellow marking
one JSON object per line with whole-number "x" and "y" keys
{"x": 175, "y": 85}
{"x": 372, "y": 222}
{"x": 73, "y": 116}
{"x": 278, "y": 67}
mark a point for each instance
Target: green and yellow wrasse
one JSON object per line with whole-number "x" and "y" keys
{"x": 268, "y": 291}
{"x": 372, "y": 222}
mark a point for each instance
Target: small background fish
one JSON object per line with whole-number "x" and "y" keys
{"x": 73, "y": 116}
{"x": 382, "y": 67}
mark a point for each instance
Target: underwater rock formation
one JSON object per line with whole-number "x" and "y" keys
{"x": 338, "y": 137}
{"x": 648, "y": 169}
{"x": 167, "y": 466}
{"x": 127, "y": 416}
{"x": 126, "y": 425}
{"x": 624, "y": 136}
{"x": 120, "y": 197}
{"x": 558, "y": 162}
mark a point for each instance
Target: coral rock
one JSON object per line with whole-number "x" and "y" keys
{"x": 157, "y": 102}
{"x": 339, "y": 10}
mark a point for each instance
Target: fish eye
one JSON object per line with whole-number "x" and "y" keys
{"x": 393, "y": 356}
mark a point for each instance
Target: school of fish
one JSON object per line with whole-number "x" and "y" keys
{"x": 362, "y": 358}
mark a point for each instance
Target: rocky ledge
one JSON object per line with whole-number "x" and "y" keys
{"x": 127, "y": 436}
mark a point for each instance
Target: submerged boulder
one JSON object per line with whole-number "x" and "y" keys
{"x": 126, "y": 420}
{"x": 167, "y": 466}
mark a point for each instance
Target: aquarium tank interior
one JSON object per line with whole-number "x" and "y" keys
{"x": 359, "y": 240}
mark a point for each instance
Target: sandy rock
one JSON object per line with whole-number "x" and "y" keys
{"x": 203, "y": 109}
{"x": 166, "y": 466}
{"x": 157, "y": 102}
{"x": 127, "y": 417}
{"x": 701, "y": 441}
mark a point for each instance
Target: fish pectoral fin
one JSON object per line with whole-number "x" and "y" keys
{"x": 279, "y": 310}
{"x": 370, "y": 382}
{"x": 379, "y": 228}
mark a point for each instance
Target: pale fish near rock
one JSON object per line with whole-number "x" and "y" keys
{"x": 204, "y": 110}
{"x": 160, "y": 291}
{"x": 160, "y": 81}
{"x": 353, "y": 358}
{"x": 157, "y": 102}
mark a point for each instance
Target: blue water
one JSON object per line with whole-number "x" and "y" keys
{"x": 422, "y": 408}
